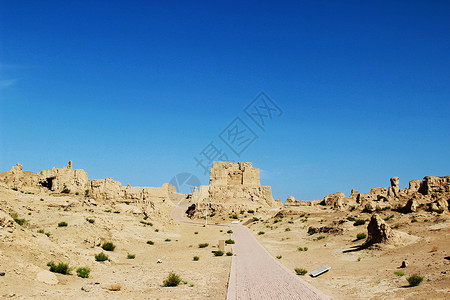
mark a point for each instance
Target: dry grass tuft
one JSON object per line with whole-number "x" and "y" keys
{"x": 115, "y": 287}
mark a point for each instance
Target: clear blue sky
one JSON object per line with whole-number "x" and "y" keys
{"x": 135, "y": 89}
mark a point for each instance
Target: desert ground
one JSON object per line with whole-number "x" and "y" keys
{"x": 38, "y": 226}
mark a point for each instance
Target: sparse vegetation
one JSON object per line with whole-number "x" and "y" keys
{"x": 196, "y": 258}
{"x": 255, "y": 219}
{"x": 229, "y": 241}
{"x": 435, "y": 248}
{"x": 65, "y": 191}
{"x": 150, "y": 242}
{"x": 279, "y": 256}
{"x": 389, "y": 217}
{"x": 172, "y": 280}
{"x": 287, "y": 229}
{"x": 59, "y": 268}
{"x": 131, "y": 256}
{"x": 361, "y": 236}
{"x": 359, "y": 222}
{"x": 399, "y": 273}
{"x": 62, "y": 224}
{"x": 300, "y": 271}
{"x": 218, "y": 253}
{"x": 108, "y": 246}
{"x": 320, "y": 237}
{"x": 229, "y": 253}
{"x": 203, "y": 245}
{"x": 414, "y": 280}
{"x": 83, "y": 272}
{"x": 101, "y": 257}
{"x": 156, "y": 230}
{"x": 351, "y": 219}
{"x": 196, "y": 232}
{"x": 115, "y": 287}
{"x": 230, "y": 231}
{"x": 233, "y": 216}
{"x": 167, "y": 240}
{"x": 261, "y": 233}
{"x": 250, "y": 211}
{"x": 86, "y": 193}
{"x": 90, "y": 220}
{"x": 146, "y": 223}
{"x": 40, "y": 231}
{"x": 302, "y": 248}
{"x": 414, "y": 220}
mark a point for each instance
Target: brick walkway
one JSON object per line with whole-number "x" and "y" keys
{"x": 255, "y": 274}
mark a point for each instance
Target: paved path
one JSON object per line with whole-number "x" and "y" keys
{"x": 255, "y": 274}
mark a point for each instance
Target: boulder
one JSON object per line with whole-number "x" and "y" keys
{"x": 334, "y": 200}
{"x": 411, "y": 206}
{"x": 378, "y": 231}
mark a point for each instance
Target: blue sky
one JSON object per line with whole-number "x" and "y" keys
{"x": 135, "y": 90}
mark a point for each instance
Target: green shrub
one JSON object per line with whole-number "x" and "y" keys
{"x": 218, "y": 253}
{"x": 86, "y": 193}
{"x": 83, "y": 272}
{"x": 399, "y": 273}
{"x": 229, "y": 253}
{"x": 172, "y": 280}
{"x": 62, "y": 224}
{"x": 147, "y": 223}
{"x": 305, "y": 248}
{"x": 131, "y": 256}
{"x": 156, "y": 230}
{"x": 90, "y": 220}
{"x": 230, "y": 231}
{"x": 40, "y": 231}
{"x": 65, "y": 191}
{"x": 203, "y": 245}
{"x": 229, "y": 241}
{"x": 167, "y": 240}
{"x": 361, "y": 236}
{"x": 233, "y": 216}
{"x": 108, "y": 246}
{"x": 250, "y": 211}
{"x": 414, "y": 220}
{"x": 42, "y": 199}
{"x": 101, "y": 257}
{"x": 300, "y": 271}
{"x": 320, "y": 237}
{"x": 196, "y": 232}
{"x": 21, "y": 222}
{"x": 255, "y": 219}
{"x": 76, "y": 194}
{"x": 14, "y": 189}
{"x": 116, "y": 212}
{"x": 415, "y": 280}
{"x": 150, "y": 242}
{"x": 261, "y": 233}
{"x": 196, "y": 258}
{"x": 359, "y": 222}
{"x": 48, "y": 234}
{"x": 279, "y": 256}
{"x": 351, "y": 219}
{"x": 59, "y": 268}
{"x": 287, "y": 229}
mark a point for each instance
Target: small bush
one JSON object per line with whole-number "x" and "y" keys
{"x": 65, "y": 191}
{"x": 229, "y": 253}
{"x": 320, "y": 237}
{"x": 229, "y": 241}
{"x": 196, "y": 258}
{"x": 83, "y": 272}
{"x": 415, "y": 280}
{"x": 172, "y": 280}
{"x": 250, "y": 211}
{"x": 42, "y": 199}
{"x": 131, "y": 256}
{"x": 305, "y": 248}
{"x": 167, "y": 240}
{"x": 59, "y": 268}
{"x": 435, "y": 248}
{"x": 399, "y": 273}
{"x": 146, "y": 223}
{"x": 230, "y": 231}
{"x": 300, "y": 248}
{"x": 203, "y": 245}
{"x": 261, "y": 233}
{"x": 359, "y": 222}
{"x": 62, "y": 224}
{"x": 108, "y": 246}
{"x": 40, "y": 231}
{"x": 255, "y": 219}
{"x": 196, "y": 232}
{"x": 287, "y": 229}
{"x": 86, "y": 193}
{"x": 14, "y": 189}
{"x": 90, "y": 220}
{"x": 101, "y": 257}
{"x": 115, "y": 287}
{"x": 76, "y": 193}
{"x": 156, "y": 230}
{"x": 361, "y": 236}
{"x": 279, "y": 256}
{"x": 218, "y": 253}
{"x": 233, "y": 216}
{"x": 48, "y": 234}
{"x": 300, "y": 271}
{"x": 351, "y": 219}
{"x": 150, "y": 242}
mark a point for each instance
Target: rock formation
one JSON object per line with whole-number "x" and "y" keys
{"x": 378, "y": 231}
{"x": 232, "y": 186}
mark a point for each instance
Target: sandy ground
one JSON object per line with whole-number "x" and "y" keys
{"x": 364, "y": 274}
{"x": 24, "y": 252}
